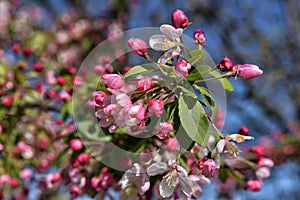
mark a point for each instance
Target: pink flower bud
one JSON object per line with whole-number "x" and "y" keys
{"x": 244, "y": 130}
{"x": 61, "y": 81}
{"x": 172, "y": 144}
{"x": 253, "y": 185}
{"x": 75, "y": 191}
{"x": 182, "y": 67}
{"x": 145, "y": 84}
{"x": 138, "y": 46}
{"x": 14, "y": 182}
{"x": 207, "y": 166}
{"x": 8, "y": 100}
{"x": 258, "y": 151}
{"x": 163, "y": 129}
{"x": 75, "y": 144}
{"x": 98, "y": 99}
{"x": 200, "y": 37}
{"x": 179, "y": 19}
{"x": 265, "y": 162}
{"x": 27, "y": 51}
{"x": 38, "y": 67}
{"x": 247, "y": 71}
{"x": 1, "y": 147}
{"x": 156, "y": 107}
{"x": 84, "y": 158}
{"x": 225, "y": 65}
{"x": 16, "y": 48}
{"x": 112, "y": 81}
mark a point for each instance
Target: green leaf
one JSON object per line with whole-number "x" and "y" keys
{"x": 224, "y": 81}
{"x": 139, "y": 69}
{"x": 193, "y": 119}
{"x": 207, "y": 98}
{"x": 195, "y": 57}
{"x": 187, "y": 92}
{"x": 235, "y": 176}
{"x": 198, "y": 72}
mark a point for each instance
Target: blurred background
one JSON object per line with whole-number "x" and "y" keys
{"x": 265, "y": 33}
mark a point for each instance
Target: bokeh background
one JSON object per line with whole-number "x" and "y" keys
{"x": 265, "y": 33}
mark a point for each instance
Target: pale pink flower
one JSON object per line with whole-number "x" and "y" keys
{"x": 200, "y": 37}
{"x": 145, "y": 84}
{"x": 175, "y": 174}
{"x": 162, "y": 129}
{"x": 169, "y": 42}
{"x": 156, "y": 107}
{"x": 98, "y": 99}
{"x": 105, "y": 115}
{"x": 113, "y": 81}
{"x": 137, "y": 177}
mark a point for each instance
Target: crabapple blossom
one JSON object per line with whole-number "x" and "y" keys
{"x": 200, "y": 37}
{"x": 137, "y": 177}
{"x": 145, "y": 84}
{"x": 75, "y": 144}
{"x": 175, "y": 174}
{"x": 169, "y": 42}
{"x": 253, "y": 185}
{"x": 138, "y": 46}
{"x": 179, "y": 19}
{"x": 156, "y": 107}
{"x": 247, "y": 71}
{"x": 207, "y": 166}
{"x": 225, "y": 65}
{"x": 162, "y": 129}
{"x": 113, "y": 81}
{"x": 182, "y": 67}
{"x": 98, "y": 99}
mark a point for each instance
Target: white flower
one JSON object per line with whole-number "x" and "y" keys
{"x": 137, "y": 177}
{"x": 240, "y": 138}
{"x": 175, "y": 174}
{"x": 169, "y": 42}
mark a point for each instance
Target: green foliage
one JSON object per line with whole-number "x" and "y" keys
{"x": 193, "y": 119}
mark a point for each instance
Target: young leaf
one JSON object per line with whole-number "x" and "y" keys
{"x": 198, "y": 72}
{"x": 196, "y": 57}
{"x": 224, "y": 81}
{"x": 193, "y": 119}
{"x": 207, "y": 98}
{"x": 139, "y": 69}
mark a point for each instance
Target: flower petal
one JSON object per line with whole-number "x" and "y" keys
{"x": 166, "y": 190}
{"x": 157, "y": 168}
{"x": 171, "y": 32}
{"x": 157, "y": 42}
{"x": 221, "y": 145}
{"x": 185, "y": 183}
{"x": 171, "y": 53}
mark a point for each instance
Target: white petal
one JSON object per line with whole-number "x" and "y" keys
{"x": 171, "y": 32}
{"x": 144, "y": 184}
{"x": 157, "y": 42}
{"x": 164, "y": 189}
{"x": 221, "y": 145}
{"x": 157, "y": 168}
{"x": 171, "y": 53}
{"x": 185, "y": 183}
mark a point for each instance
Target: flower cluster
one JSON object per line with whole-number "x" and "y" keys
{"x": 139, "y": 103}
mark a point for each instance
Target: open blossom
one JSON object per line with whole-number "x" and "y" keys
{"x": 247, "y": 71}
{"x": 138, "y": 46}
{"x": 169, "y": 42}
{"x": 136, "y": 177}
{"x": 179, "y": 19}
{"x": 106, "y": 116}
{"x": 182, "y": 67}
{"x": 156, "y": 107}
{"x": 162, "y": 129}
{"x": 200, "y": 37}
{"x": 175, "y": 174}
{"x": 135, "y": 115}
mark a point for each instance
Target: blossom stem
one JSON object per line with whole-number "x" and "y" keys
{"x": 215, "y": 78}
